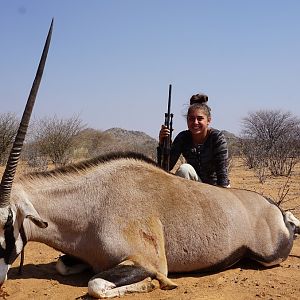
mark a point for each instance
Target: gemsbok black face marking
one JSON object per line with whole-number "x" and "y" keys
{"x": 131, "y": 222}
{"x": 8, "y": 246}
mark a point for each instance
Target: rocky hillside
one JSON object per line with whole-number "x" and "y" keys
{"x": 131, "y": 136}
{"x": 233, "y": 142}
{"x": 130, "y": 140}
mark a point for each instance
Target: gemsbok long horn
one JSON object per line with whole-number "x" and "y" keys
{"x": 11, "y": 166}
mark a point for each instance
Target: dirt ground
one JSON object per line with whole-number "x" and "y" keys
{"x": 246, "y": 280}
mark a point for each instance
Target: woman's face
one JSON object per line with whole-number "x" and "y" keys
{"x": 198, "y": 122}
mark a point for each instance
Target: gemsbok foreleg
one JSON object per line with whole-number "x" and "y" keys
{"x": 126, "y": 277}
{"x": 120, "y": 280}
{"x": 68, "y": 265}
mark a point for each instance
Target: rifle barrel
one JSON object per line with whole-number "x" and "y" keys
{"x": 165, "y": 161}
{"x": 169, "y": 107}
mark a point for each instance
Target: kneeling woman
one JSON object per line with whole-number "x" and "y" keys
{"x": 204, "y": 149}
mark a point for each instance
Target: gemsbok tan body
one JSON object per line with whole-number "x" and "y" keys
{"x": 132, "y": 222}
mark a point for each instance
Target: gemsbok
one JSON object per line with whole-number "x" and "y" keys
{"x": 132, "y": 222}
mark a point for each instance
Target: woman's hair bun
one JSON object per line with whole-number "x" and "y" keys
{"x": 198, "y": 98}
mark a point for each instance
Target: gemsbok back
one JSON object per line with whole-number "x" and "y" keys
{"x": 132, "y": 222}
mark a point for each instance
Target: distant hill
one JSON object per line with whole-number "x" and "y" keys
{"x": 233, "y": 142}
{"x": 91, "y": 142}
{"x": 229, "y": 135}
{"x": 130, "y": 136}
{"x": 130, "y": 140}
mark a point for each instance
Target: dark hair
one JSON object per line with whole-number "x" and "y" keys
{"x": 198, "y": 98}
{"x": 199, "y": 101}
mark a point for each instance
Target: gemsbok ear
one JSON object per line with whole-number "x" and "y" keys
{"x": 28, "y": 211}
{"x": 37, "y": 221}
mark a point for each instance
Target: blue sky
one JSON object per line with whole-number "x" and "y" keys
{"x": 111, "y": 61}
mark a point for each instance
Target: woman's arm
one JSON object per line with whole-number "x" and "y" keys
{"x": 221, "y": 160}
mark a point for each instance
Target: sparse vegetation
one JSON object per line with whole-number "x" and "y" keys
{"x": 271, "y": 142}
{"x": 8, "y": 129}
{"x": 54, "y": 139}
{"x": 61, "y": 141}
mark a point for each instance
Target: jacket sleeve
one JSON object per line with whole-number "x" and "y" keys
{"x": 175, "y": 151}
{"x": 221, "y": 159}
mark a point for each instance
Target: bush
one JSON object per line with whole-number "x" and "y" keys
{"x": 270, "y": 139}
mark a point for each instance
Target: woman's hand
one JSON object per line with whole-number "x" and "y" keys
{"x": 163, "y": 133}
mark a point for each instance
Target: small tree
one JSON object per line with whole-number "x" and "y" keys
{"x": 54, "y": 138}
{"x": 254, "y": 157}
{"x": 270, "y": 138}
{"x": 8, "y": 129}
{"x": 35, "y": 160}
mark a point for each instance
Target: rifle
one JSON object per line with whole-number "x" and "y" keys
{"x": 164, "y": 155}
